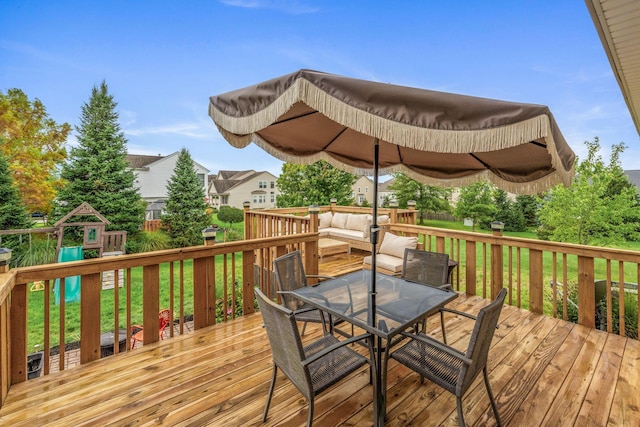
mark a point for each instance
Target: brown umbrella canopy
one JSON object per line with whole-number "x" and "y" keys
{"x": 434, "y": 137}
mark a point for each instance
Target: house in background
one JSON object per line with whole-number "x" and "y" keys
{"x": 634, "y": 177}
{"x": 384, "y": 192}
{"x": 362, "y": 190}
{"x": 233, "y": 188}
{"x": 152, "y": 176}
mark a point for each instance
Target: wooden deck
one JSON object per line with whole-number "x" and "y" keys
{"x": 543, "y": 372}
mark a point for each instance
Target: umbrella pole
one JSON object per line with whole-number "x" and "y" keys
{"x": 374, "y": 228}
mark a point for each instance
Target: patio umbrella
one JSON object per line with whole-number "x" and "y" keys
{"x": 374, "y": 128}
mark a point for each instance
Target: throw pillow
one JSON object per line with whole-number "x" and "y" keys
{"x": 356, "y": 222}
{"x": 325, "y": 220}
{"x": 339, "y": 220}
{"x": 395, "y": 245}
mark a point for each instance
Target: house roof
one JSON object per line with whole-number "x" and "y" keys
{"x": 618, "y": 25}
{"x": 137, "y": 161}
{"x": 226, "y": 180}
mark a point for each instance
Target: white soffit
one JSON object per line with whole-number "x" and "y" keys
{"x": 618, "y": 25}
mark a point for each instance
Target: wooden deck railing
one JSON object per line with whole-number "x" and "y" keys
{"x": 218, "y": 279}
{"x": 551, "y": 278}
{"x": 539, "y": 275}
{"x": 543, "y": 277}
{"x": 286, "y": 221}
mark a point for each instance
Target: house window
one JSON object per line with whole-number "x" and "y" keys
{"x": 360, "y": 199}
{"x": 201, "y": 179}
{"x": 259, "y": 198}
{"x": 359, "y": 191}
{"x": 366, "y": 189}
{"x": 273, "y": 184}
{"x": 224, "y": 200}
{"x": 262, "y": 184}
{"x": 273, "y": 197}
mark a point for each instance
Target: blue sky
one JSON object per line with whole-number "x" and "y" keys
{"x": 162, "y": 60}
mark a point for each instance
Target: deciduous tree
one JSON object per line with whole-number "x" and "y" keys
{"x": 315, "y": 184}
{"x": 598, "y": 207}
{"x": 429, "y": 199}
{"x": 33, "y": 144}
{"x": 476, "y": 202}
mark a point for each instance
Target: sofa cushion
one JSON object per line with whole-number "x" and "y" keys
{"x": 339, "y": 220}
{"x": 395, "y": 245}
{"x": 387, "y": 262}
{"x": 345, "y": 234}
{"x": 356, "y": 222}
{"x": 325, "y": 219}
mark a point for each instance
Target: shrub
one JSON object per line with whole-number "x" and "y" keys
{"x": 630, "y": 311}
{"x": 148, "y": 241}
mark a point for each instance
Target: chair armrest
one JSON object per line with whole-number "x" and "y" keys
{"x": 461, "y": 313}
{"x": 440, "y": 346}
{"x": 319, "y": 296}
{"x": 334, "y": 347}
{"x": 446, "y": 287}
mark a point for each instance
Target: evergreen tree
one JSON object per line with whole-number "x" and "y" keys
{"x": 97, "y": 172}
{"x": 507, "y": 212}
{"x": 13, "y": 214}
{"x": 185, "y": 216}
{"x": 528, "y": 205}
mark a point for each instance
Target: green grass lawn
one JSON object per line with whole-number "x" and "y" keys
{"x": 107, "y": 309}
{"x": 107, "y": 302}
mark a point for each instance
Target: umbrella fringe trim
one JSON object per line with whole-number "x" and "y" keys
{"x": 239, "y": 132}
{"x": 530, "y": 187}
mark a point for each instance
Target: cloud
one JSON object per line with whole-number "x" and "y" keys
{"x": 288, "y": 6}
{"x": 191, "y": 130}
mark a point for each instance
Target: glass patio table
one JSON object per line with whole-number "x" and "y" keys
{"x": 397, "y": 305}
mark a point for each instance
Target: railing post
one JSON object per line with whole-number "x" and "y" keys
{"x": 586, "y": 292}
{"x": 311, "y": 248}
{"x": 393, "y": 217}
{"x": 535, "y": 281}
{"x": 150, "y": 303}
{"x": 248, "y": 231}
{"x": 19, "y": 334}
{"x": 470, "y": 267}
{"x": 248, "y": 295}
{"x": 411, "y": 205}
{"x": 90, "y": 318}
{"x": 496, "y": 260}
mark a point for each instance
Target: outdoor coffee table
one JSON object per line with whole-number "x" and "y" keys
{"x": 386, "y": 326}
{"x": 328, "y": 247}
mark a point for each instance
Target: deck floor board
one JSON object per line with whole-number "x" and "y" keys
{"x": 543, "y": 372}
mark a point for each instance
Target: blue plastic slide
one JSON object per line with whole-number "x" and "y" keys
{"x": 71, "y": 284}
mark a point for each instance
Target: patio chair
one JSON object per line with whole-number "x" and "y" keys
{"x": 290, "y": 275}
{"x": 448, "y": 367}
{"x": 313, "y": 368}
{"x": 137, "y": 331}
{"x": 425, "y": 268}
